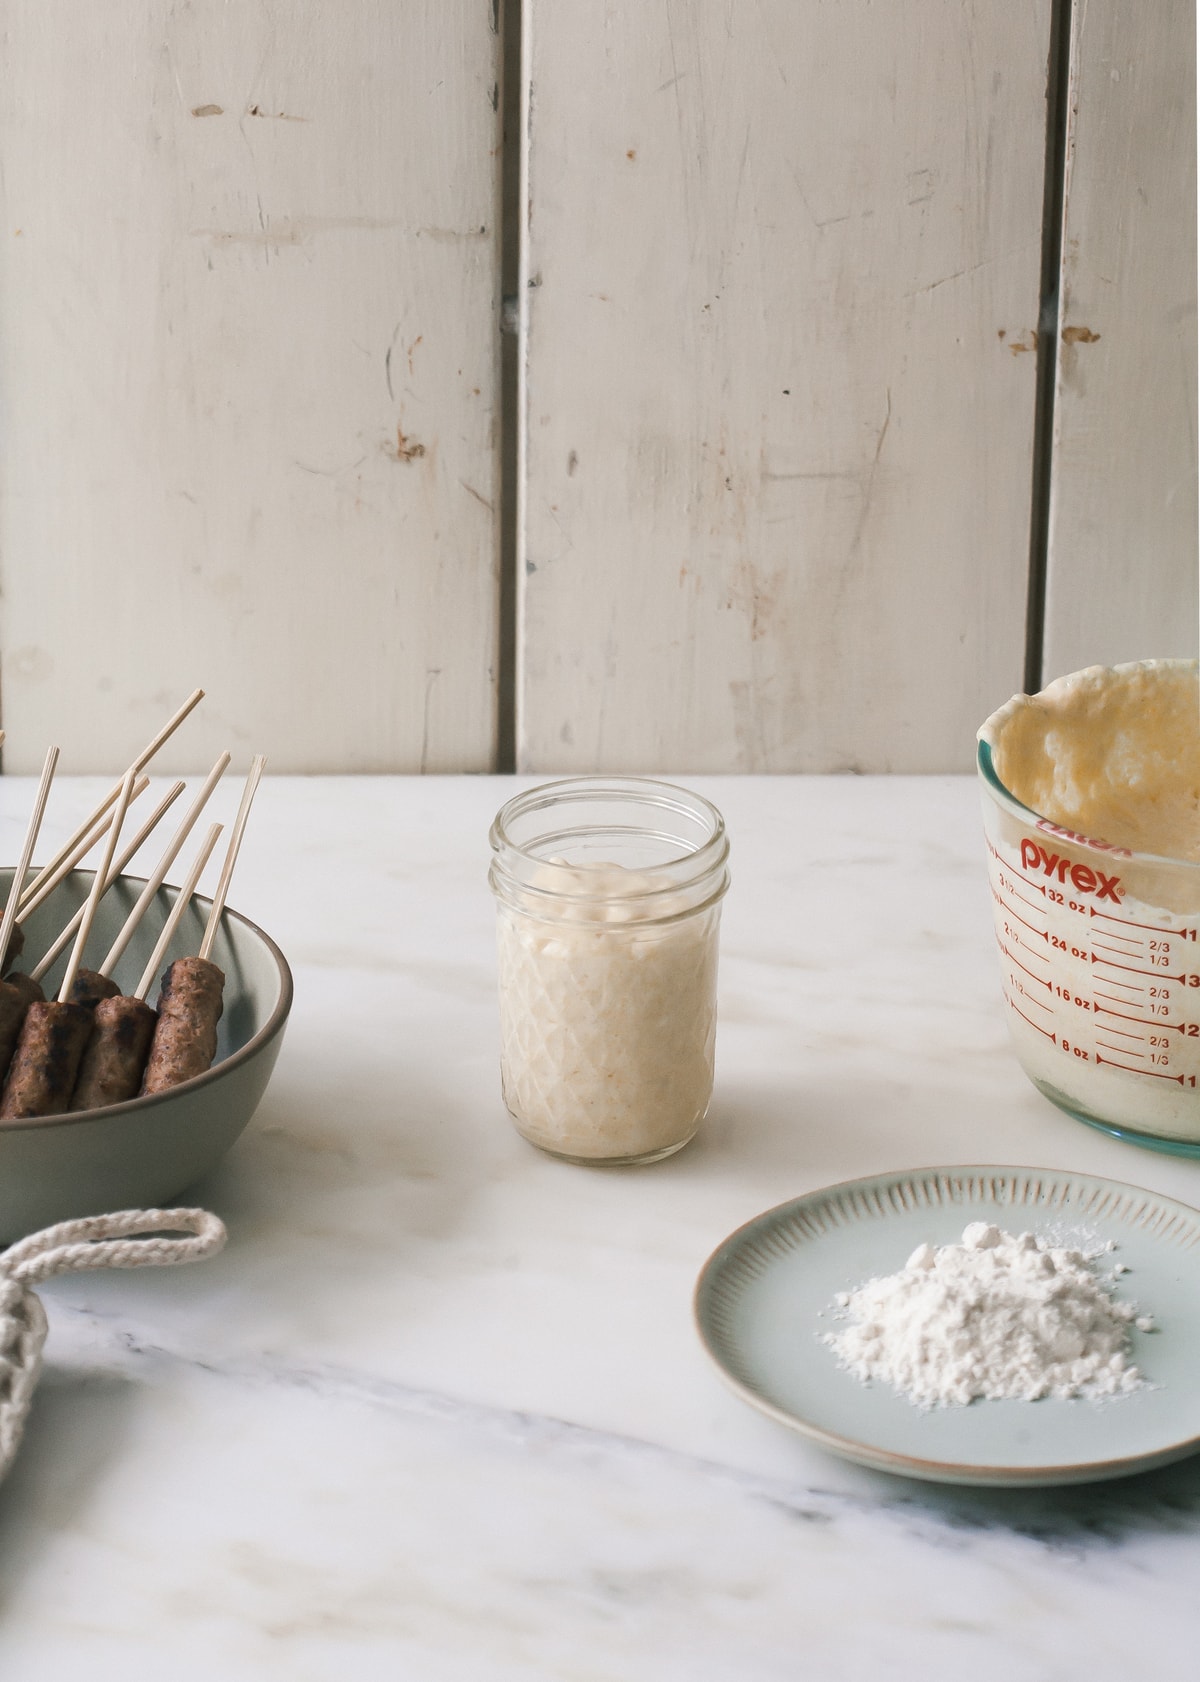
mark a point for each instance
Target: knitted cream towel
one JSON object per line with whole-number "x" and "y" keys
{"x": 133, "y": 1238}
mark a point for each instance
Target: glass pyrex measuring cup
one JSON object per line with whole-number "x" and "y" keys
{"x": 1100, "y": 964}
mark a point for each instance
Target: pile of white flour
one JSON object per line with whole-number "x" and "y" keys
{"x": 995, "y": 1317}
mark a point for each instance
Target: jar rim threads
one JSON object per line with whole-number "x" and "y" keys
{"x": 685, "y": 851}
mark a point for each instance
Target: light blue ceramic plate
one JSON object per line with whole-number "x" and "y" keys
{"x": 764, "y": 1297}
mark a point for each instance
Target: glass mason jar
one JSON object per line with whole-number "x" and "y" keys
{"x": 608, "y": 897}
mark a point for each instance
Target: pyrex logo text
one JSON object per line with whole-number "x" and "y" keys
{"x": 1084, "y": 840}
{"x": 1084, "y": 879}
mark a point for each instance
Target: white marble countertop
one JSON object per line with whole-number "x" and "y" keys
{"x": 438, "y": 1412}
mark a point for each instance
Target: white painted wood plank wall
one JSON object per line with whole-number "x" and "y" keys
{"x": 783, "y": 263}
{"x": 248, "y": 356}
{"x": 783, "y": 281}
{"x": 1122, "y": 564}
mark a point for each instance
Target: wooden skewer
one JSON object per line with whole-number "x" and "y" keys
{"x": 182, "y": 899}
{"x": 99, "y": 884}
{"x": 235, "y": 842}
{"x": 164, "y": 864}
{"x": 9, "y": 919}
{"x": 143, "y": 833}
{"x": 31, "y": 900}
{"x": 58, "y": 862}
{"x": 143, "y": 759}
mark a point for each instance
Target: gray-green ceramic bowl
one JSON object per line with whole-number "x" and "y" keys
{"x": 147, "y": 1151}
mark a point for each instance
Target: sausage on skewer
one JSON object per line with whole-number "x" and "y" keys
{"x": 17, "y": 993}
{"x": 111, "y": 1068}
{"x": 46, "y": 1076}
{"x": 90, "y": 987}
{"x": 41, "y": 1078}
{"x": 25, "y": 985}
{"x": 15, "y": 998}
{"x": 12, "y": 1009}
{"x": 42, "y": 1073}
{"x": 191, "y": 1001}
{"x": 185, "y": 1039}
{"x": 115, "y": 1058}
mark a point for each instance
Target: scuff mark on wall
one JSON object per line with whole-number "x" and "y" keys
{"x": 478, "y": 495}
{"x": 432, "y": 674}
{"x": 747, "y": 725}
{"x": 275, "y": 116}
{"x": 405, "y": 448}
{"x": 872, "y": 472}
{"x": 292, "y": 230}
{"x": 452, "y": 236}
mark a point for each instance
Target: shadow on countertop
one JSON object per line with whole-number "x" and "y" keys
{"x": 1072, "y": 1518}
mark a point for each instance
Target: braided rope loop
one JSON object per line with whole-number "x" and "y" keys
{"x": 129, "y": 1238}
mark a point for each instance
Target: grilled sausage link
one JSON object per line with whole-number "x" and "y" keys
{"x": 16, "y": 996}
{"x": 46, "y": 1062}
{"x": 189, "y": 1008}
{"x": 89, "y": 987}
{"x": 111, "y": 1070}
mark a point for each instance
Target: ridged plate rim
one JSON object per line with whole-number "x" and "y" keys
{"x": 751, "y": 1248}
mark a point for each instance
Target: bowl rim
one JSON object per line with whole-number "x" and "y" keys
{"x": 142, "y": 1103}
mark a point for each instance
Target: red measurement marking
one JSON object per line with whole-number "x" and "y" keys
{"x": 1031, "y": 951}
{"x": 1125, "y": 1034}
{"x": 1029, "y": 998}
{"x": 1014, "y": 869}
{"x": 1132, "y": 969}
{"x": 1119, "y": 949}
{"x": 1132, "y": 923}
{"x": 1011, "y": 886}
{"x": 1155, "y": 928}
{"x": 1133, "y": 939}
{"x": 1123, "y": 1049}
{"x": 1152, "y": 1073}
{"x": 1000, "y": 900}
{"x": 1021, "y": 966}
{"x": 1030, "y": 1020}
{"x": 1124, "y": 1016}
{"x": 1130, "y": 987}
{"x": 1146, "y": 1022}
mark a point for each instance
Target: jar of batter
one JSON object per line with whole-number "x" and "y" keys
{"x": 608, "y": 895}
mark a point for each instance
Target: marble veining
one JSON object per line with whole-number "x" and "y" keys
{"x": 439, "y": 1412}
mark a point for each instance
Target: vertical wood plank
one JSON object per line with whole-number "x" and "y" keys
{"x": 1122, "y": 559}
{"x": 249, "y": 367}
{"x": 782, "y": 294}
